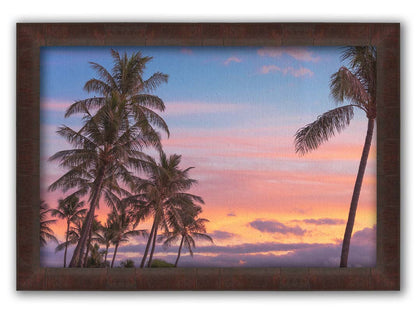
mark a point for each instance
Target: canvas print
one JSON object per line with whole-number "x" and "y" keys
{"x": 208, "y": 157}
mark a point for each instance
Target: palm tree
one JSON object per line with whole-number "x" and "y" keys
{"x": 93, "y": 237}
{"x": 357, "y": 85}
{"x": 69, "y": 209}
{"x": 109, "y": 144}
{"x": 122, "y": 226}
{"x": 106, "y": 236}
{"x": 73, "y": 237}
{"x": 45, "y": 233}
{"x": 164, "y": 194}
{"x": 190, "y": 228}
{"x": 95, "y": 260}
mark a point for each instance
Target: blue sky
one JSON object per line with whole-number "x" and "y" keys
{"x": 208, "y": 75}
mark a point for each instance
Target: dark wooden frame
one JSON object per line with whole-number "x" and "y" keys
{"x": 385, "y": 36}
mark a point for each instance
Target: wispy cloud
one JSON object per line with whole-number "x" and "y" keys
{"x": 300, "y": 54}
{"x": 272, "y": 226}
{"x": 232, "y": 59}
{"x": 324, "y": 221}
{"x": 301, "y": 71}
{"x": 54, "y": 105}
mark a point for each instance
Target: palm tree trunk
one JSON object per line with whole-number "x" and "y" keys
{"x": 114, "y": 256}
{"x": 149, "y": 264}
{"x": 88, "y": 249}
{"x": 356, "y": 194}
{"x": 148, "y": 243}
{"x": 66, "y": 242}
{"x": 106, "y": 253}
{"x": 179, "y": 252}
{"x": 76, "y": 260}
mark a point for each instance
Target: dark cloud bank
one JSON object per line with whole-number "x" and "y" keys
{"x": 362, "y": 253}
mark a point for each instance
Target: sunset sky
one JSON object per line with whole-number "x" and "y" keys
{"x": 232, "y": 114}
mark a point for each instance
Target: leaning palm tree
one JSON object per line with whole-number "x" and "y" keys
{"x": 117, "y": 124}
{"x": 164, "y": 193}
{"x": 190, "y": 228}
{"x": 45, "y": 233}
{"x": 357, "y": 86}
{"x": 69, "y": 209}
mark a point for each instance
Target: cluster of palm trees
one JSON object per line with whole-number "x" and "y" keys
{"x": 108, "y": 163}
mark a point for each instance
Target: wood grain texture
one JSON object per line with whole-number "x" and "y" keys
{"x": 385, "y": 36}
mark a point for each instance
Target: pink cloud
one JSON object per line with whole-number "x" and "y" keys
{"x": 53, "y": 105}
{"x": 301, "y": 71}
{"x": 187, "y": 51}
{"x": 300, "y": 54}
{"x": 232, "y": 59}
{"x": 278, "y": 190}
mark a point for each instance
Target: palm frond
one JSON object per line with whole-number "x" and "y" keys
{"x": 203, "y": 236}
{"x": 154, "y": 81}
{"x": 83, "y": 106}
{"x": 325, "y": 126}
{"x": 169, "y": 241}
{"x": 149, "y": 101}
{"x": 105, "y": 75}
{"x": 347, "y": 86}
{"x": 76, "y": 138}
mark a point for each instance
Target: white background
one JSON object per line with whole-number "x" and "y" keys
{"x": 204, "y": 11}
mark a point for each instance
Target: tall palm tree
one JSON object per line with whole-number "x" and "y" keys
{"x": 123, "y": 227}
{"x": 69, "y": 209}
{"x": 164, "y": 194}
{"x": 190, "y": 228}
{"x": 357, "y": 86}
{"x": 45, "y": 233}
{"x": 108, "y": 146}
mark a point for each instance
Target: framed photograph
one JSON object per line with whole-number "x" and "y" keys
{"x": 208, "y": 156}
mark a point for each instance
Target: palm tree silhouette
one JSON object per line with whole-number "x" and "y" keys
{"x": 73, "y": 236}
{"x": 45, "y": 233}
{"x": 93, "y": 237}
{"x": 357, "y": 85}
{"x": 95, "y": 260}
{"x": 69, "y": 209}
{"x": 163, "y": 195}
{"x": 106, "y": 237}
{"x": 109, "y": 145}
{"x": 123, "y": 227}
{"x": 187, "y": 230}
